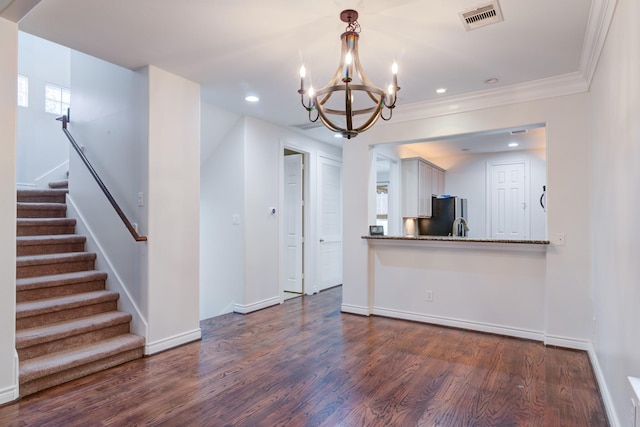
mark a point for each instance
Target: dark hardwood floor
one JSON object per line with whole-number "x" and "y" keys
{"x": 304, "y": 363}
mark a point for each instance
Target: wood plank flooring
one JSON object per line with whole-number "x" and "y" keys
{"x": 303, "y": 363}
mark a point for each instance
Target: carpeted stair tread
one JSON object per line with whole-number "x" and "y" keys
{"x": 64, "y": 183}
{"x": 45, "y": 226}
{"x": 41, "y": 221}
{"x": 42, "y": 205}
{"x": 64, "y": 360}
{"x": 53, "y": 280}
{"x": 53, "y": 258}
{"x": 49, "y": 305}
{"x": 42, "y": 195}
{"x": 38, "y": 335}
{"x": 49, "y": 239}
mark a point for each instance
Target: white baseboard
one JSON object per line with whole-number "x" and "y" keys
{"x": 248, "y": 308}
{"x": 355, "y": 309}
{"x": 11, "y": 393}
{"x": 567, "y": 342}
{"x": 604, "y": 390}
{"x": 462, "y": 324}
{"x": 171, "y": 342}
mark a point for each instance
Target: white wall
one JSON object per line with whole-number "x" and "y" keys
{"x": 174, "y": 210}
{"x": 615, "y": 184}
{"x": 567, "y": 289}
{"x": 240, "y": 264}
{"x": 43, "y": 150}
{"x": 222, "y": 242}
{"x": 8, "y": 78}
{"x": 108, "y": 118}
{"x": 466, "y": 177}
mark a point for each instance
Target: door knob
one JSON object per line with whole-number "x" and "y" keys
{"x": 321, "y": 240}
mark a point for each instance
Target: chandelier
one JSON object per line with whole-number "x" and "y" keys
{"x": 341, "y": 115}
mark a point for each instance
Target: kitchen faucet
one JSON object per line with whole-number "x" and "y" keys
{"x": 460, "y": 227}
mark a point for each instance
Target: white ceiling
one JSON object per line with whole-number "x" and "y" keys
{"x": 244, "y": 47}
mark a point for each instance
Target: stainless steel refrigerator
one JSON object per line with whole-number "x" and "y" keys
{"x": 444, "y": 212}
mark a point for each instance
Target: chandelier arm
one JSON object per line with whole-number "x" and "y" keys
{"x": 390, "y": 114}
{"x": 328, "y": 123}
{"x": 347, "y": 106}
{"x": 371, "y": 120}
{"x": 317, "y": 115}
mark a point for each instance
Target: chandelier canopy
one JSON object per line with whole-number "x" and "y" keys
{"x": 362, "y": 102}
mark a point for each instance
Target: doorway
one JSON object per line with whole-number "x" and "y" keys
{"x": 293, "y": 224}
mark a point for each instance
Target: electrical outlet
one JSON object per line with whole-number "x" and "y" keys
{"x": 141, "y": 199}
{"x": 429, "y": 296}
{"x": 560, "y": 239}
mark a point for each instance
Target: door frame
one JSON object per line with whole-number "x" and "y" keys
{"x": 306, "y": 218}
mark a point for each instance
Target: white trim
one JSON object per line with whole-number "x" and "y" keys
{"x": 248, "y": 308}
{"x": 600, "y": 17}
{"x": 355, "y": 309}
{"x": 566, "y": 342}
{"x": 552, "y": 87}
{"x": 602, "y": 385}
{"x": 171, "y": 342}
{"x": 139, "y": 324}
{"x": 20, "y": 184}
{"x": 459, "y": 323}
{"x": 11, "y": 393}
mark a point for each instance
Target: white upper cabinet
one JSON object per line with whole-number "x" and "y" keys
{"x": 420, "y": 181}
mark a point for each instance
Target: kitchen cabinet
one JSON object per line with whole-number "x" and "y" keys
{"x": 420, "y": 181}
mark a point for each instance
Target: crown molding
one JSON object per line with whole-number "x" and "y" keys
{"x": 566, "y": 84}
{"x": 600, "y": 17}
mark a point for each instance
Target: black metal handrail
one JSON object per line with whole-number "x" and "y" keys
{"x": 138, "y": 238}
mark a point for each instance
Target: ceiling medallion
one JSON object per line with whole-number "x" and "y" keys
{"x": 361, "y": 97}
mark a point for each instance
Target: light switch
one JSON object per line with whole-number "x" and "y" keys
{"x": 235, "y": 219}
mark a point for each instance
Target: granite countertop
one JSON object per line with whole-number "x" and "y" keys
{"x": 457, "y": 239}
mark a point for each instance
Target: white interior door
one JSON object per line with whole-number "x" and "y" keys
{"x": 330, "y": 223}
{"x": 293, "y": 240}
{"x": 507, "y": 202}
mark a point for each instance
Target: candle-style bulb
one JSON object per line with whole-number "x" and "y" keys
{"x": 311, "y": 92}
{"x": 394, "y": 68}
{"x": 348, "y": 59}
{"x": 303, "y": 72}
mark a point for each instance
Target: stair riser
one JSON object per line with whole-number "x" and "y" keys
{"x": 45, "y": 229}
{"x": 30, "y": 387}
{"x": 61, "y": 316}
{"x": 56, "y": 248}
{"x": 53, "y": 268}
{"x": 58, "y": 291}
{"x": 69, "y": 342}
{"x": 41, "y": 213}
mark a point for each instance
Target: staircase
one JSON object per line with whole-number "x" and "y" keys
{"x": 67, "y": 323}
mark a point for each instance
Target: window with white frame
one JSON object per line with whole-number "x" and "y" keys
{"x": 23, "y": 91}
{"x": 56, "y": 99}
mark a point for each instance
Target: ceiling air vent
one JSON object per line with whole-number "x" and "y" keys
{"x": 307, "y": 126}
{"x": 481, "y": 16}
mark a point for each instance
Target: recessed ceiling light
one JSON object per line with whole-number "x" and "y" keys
{"x": 441, "y": 90}
{"x": 252, "y": 98}
{"x": 513, "y": 144}
{"x": 464, "y": 149}
{"x": 491, "y": 81}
